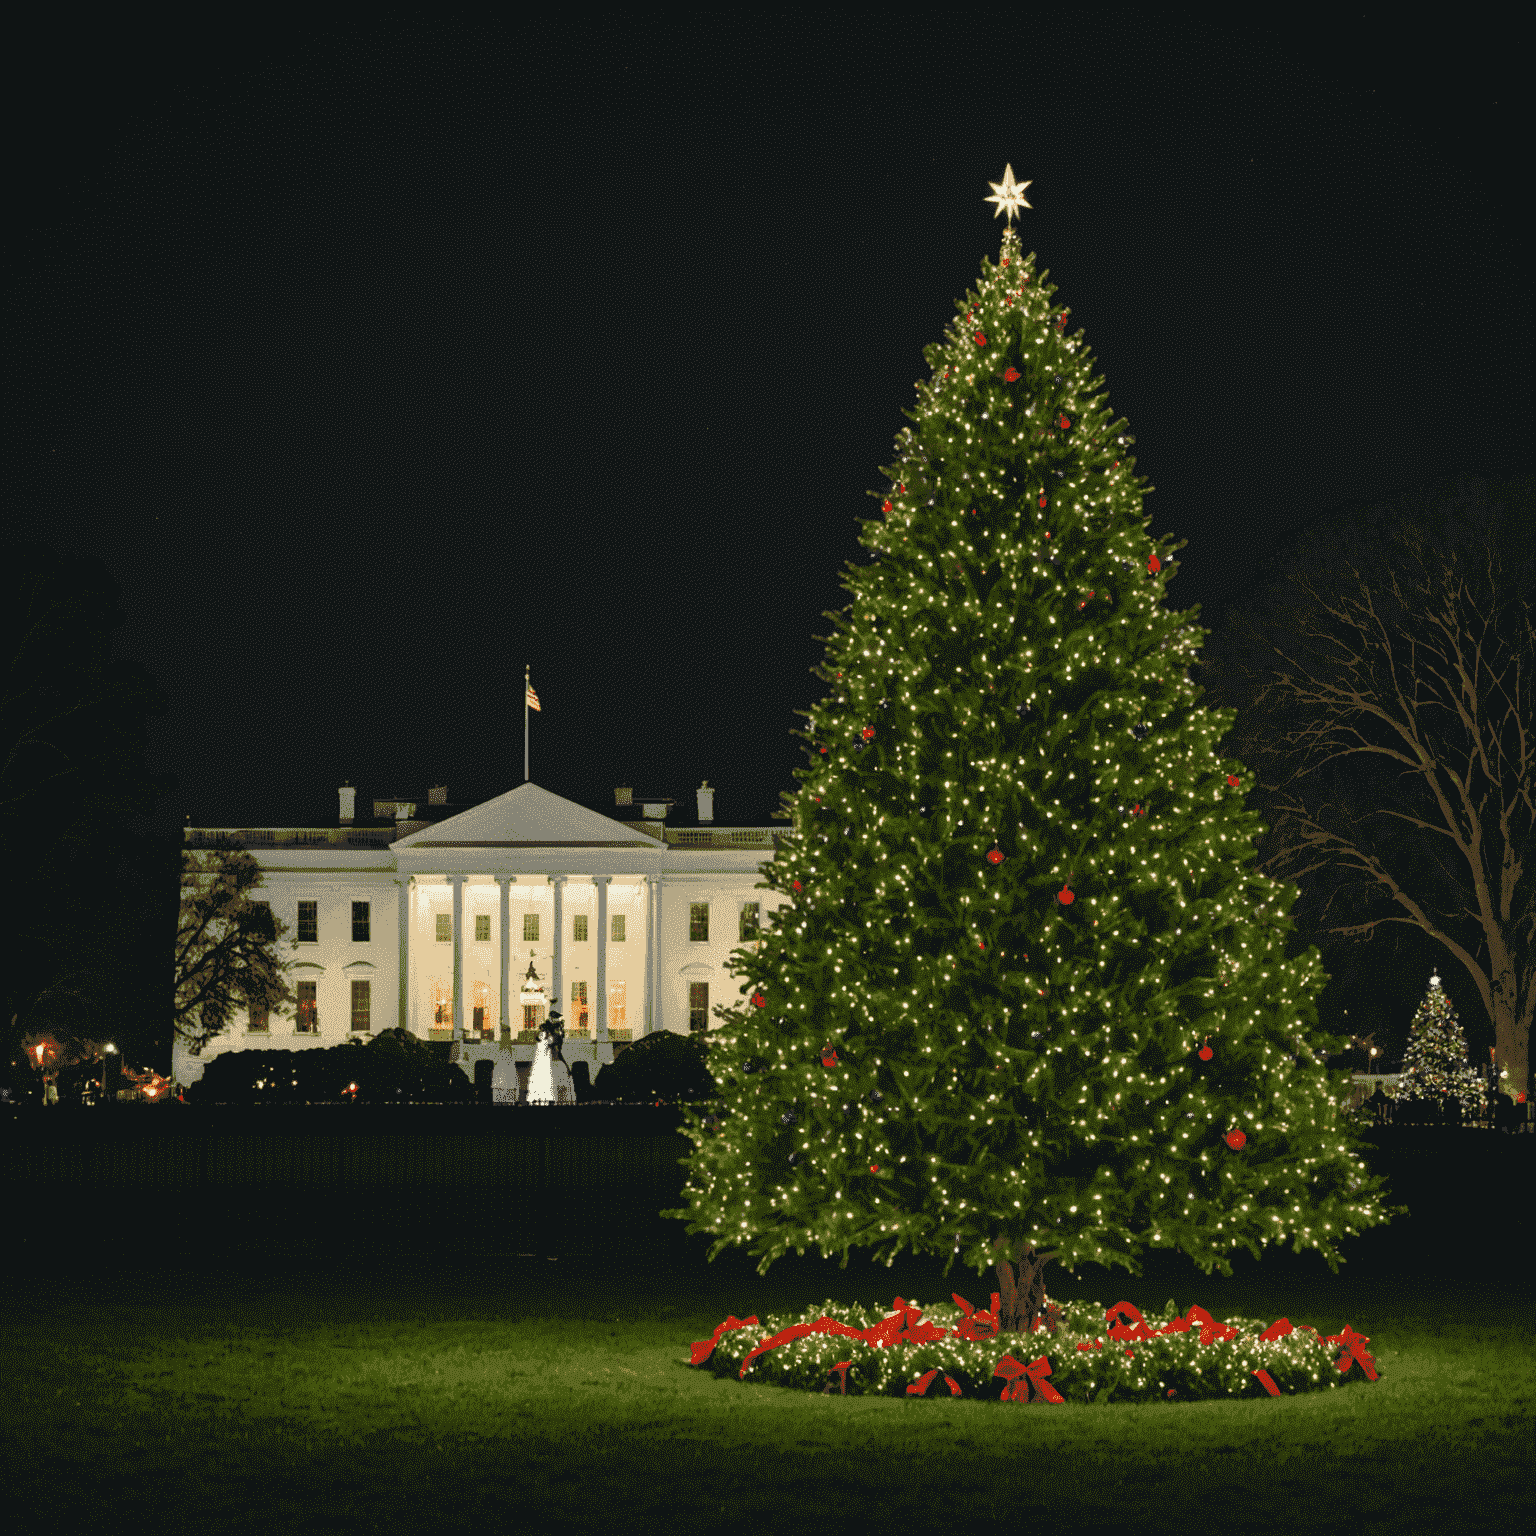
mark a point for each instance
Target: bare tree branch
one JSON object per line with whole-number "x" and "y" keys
{"x": 1384, "y": 702}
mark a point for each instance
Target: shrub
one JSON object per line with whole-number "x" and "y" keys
{"x": 392, "y": 1067}
{"x": 665, "y": 1065}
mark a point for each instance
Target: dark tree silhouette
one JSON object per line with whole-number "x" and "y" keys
{"x": 1385, "y": 688}
{"x": 73, "y": 727}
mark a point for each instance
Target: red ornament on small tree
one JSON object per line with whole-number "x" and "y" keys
{"x": 995, "y": 856}
{"x": 1065, "y": 896}
{"x": 1236, "y": 1140}
{"x": 1012, "y": 375}
{"x": 981, "y": 340}
{"x": 758, "y": 1000}
{"x": 1205, "y": 1053}
{"x": 1232, "y": 780}
{"x": 1154, "y": 565}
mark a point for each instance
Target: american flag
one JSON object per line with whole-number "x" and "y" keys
{"x": 533, "y": 698}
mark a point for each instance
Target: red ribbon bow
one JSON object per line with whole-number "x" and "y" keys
{"x": 977, "y": 1325}
{"x": 1352, "y": 1351}
{"x": 1021, "y": 1377}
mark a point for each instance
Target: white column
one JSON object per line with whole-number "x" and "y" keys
{"x": 652, "y": 954}
{"x": 413, "y": 1000}
{"x": 505, "y": 882}
{"x": 403, "y": 904}
{"x": 600, "y": 1034}
{"x": 557, "y": 980}
{"x": 457, "y": 882}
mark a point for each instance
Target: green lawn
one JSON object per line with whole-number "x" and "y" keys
{"x": 301, "y": 1393}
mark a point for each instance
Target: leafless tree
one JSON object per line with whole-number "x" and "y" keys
{"x": 1386, "y": 698}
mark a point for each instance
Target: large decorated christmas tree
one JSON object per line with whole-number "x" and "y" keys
{"x": 1029, "y": 998}
{"x": 1435, "y": 1064}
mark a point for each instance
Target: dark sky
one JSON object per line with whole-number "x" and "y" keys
{"x": 378, "y": 362}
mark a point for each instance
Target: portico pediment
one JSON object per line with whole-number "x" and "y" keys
{"x": 528, "y": 819}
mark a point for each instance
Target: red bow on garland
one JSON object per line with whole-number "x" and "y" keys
{"x": 1020, "y": 1378}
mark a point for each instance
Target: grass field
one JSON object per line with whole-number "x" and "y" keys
{"x": 295, "y": 1391}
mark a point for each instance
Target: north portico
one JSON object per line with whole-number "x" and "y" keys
{"x": 466, "y": 924}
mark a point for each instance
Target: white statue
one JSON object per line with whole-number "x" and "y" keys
{"x": 550, "y": 1080}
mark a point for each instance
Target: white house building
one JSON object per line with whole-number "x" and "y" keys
{"x": 465, "y": 924}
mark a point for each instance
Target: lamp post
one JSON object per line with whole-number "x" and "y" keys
{"x": 108, "y": 1050}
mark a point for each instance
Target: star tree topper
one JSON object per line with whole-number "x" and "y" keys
{"x": 1010, "y": 194}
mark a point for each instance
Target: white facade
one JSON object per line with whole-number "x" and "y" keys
{"x": 442, "y": 922}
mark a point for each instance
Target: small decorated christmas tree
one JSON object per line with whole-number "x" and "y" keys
{"x": 1435, "y": 1065}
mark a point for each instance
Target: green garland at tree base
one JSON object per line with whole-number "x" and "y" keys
{"x": 1093, "y": 1354}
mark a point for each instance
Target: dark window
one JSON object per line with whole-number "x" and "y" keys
{"x": 360, "y": 1004}
{"x": 698, "y": 1006}
{"x": 444, "y": 928}
{"x": 531, "y": 927}
{"x": 359, "y": 922}
{"x": 309, "y": 922}
{"x": 698, "y": 921}
{"x": 749, "y": 913}
{"x": 258, "y": 1022}
{"x": 479, "y": 1020}
{"x": 616, "y": 928}
{"x": 579, "y": 1015}
{"x": 309, "y": 1019}
{"x": 579, "y": 929}
{"x": 482, "y": 927}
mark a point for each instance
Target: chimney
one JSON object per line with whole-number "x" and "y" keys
{"x": 348, "y": 803}
{"x": 706, "y": 801}
{"x": 621, "y": 796}
{"x": 438, "y": 796}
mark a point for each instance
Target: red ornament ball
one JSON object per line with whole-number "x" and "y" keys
{"x": 1042, "y": 499}
{"x": 886, "y": 507}
{"x": 1236, "y": 1140}
{"x": 758, "y": 1000}
{"x": 1012, "y": 375}
{"x": 1206, "y": 1053}
{"x": 797, "y": 885}
{"x": 1064, "y": 423}
{"x": 822, "y": 750}
{"x": 1154, "y": 565}
{"x": 1065, "y": 896}
{"x": 868, "y": 732}
{"x": 995, "y": 857}
{"x": 874, "y": 1167}
{"x": 981, "y": 340}
{"x": 1232, "y": 780}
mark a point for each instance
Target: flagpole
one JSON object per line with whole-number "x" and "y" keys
{"x": 525, "y": 724}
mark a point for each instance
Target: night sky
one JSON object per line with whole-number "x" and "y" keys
{"x": 378, "y": 363}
